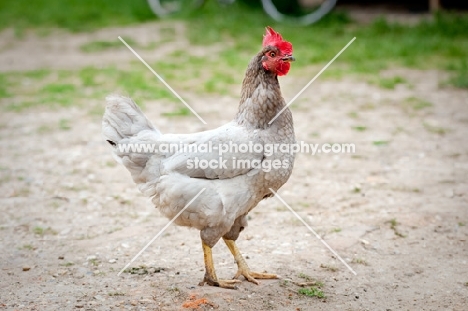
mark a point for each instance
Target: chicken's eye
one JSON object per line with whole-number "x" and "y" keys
{"x": 272, "y": 54}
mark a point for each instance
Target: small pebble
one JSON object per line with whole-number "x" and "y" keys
{"x": 61, "y": 257}
{"x": 26, "y": 268}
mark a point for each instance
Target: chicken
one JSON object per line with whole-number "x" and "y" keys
{"x": 230, "y": 191}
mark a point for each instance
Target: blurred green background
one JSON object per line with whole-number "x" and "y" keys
{"x": 439, "y": 42}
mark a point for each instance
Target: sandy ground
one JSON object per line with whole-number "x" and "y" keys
{"x": 94, "y": 220}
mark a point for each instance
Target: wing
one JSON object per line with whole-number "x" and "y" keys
{"x": 225, "y": 152}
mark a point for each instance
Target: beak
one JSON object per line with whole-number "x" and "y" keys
{"x": 288, "y": 58}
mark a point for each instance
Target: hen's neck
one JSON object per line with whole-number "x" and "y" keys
{"x": 261, "y": 96}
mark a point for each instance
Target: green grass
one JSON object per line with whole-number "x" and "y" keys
{"x": 380, "y": 45}
{"x": 4, "y": 93}
{"x": 360, "y": 261}
{"x": 415, "y": 103}
{"x": 41, "y": 231}
{"x": 435, "y": 129}
{"x": 380, "y": 143}
{"x": 65, "y": 88}
{"x": 180, "y": 112}
{"x": 329, "y": 267}
{"x": 28, "y": 247}
{"x": 393, "y": 225}
{"x": 391, "y": 83}
{"x": 460, "y": 73}
{"x": 75, "y": 15}
{"x": 116, "y": 294}
{"x": 441, "y": 43}
{"x": 64, "y": 124}
{"x": 360, "y": 128}
{"x": 312, "y": 292}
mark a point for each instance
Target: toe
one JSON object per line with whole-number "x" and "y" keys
{"x": 230, "y": 284}
{"x": 258, "y": 275}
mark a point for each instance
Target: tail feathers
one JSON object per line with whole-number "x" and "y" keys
{"x": 124, "y": 119}
{"x": 125, "y": 123}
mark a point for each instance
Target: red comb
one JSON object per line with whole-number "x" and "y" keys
{"x": 273, "y": 38}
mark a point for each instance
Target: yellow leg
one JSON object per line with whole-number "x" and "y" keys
{"x": 243, "y": 268}
{"x": 210, "y": 274}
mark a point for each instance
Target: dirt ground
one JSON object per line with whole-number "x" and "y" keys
{"x": 396, "y": 210}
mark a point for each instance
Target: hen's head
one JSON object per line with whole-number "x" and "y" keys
{"x": 277, "y": 53}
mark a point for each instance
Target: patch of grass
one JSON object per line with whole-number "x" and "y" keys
{"x": 329, "y": 267}
{"x": 75, "y": 15}
{"x": 58, "y": 88}
{"x": 28, "y": 247}
{"x": 180, "y": 112}
{"x": 44, "y": 129}
{"x": 305, "y": 277}
{"x": 94, "y": 261}
{"x": 88, "y": 76}
{"x": 459, "y": 71}
{"x": 435, "y": 129}
{"x": 43, "y": 231}
{"x": 64, "y": 124}
{"x": 360, "y": 261}
{"x": 359, "y": 128}
{"x": 380, "y": 142}
{"x": 57, "y": 94}
{"x": 4, "y": 93}
{"x": 461, "y": 224}
{"x": 380, "y": 45}
{"x": 98, "y": 46}
{"x": 336, "y": 230}
{"x": 312, "y": 292}
{"x": 437, "y": 43}
{"x": 116, "y": 294}
{"x": 393, "y": 225}
{"x": 412, "y": 104}
{"x": 63, "y": 90}
{"x": 38, "y": 74}
{"x": 142, "y": 269}
{"x": 68, "y": 264}
{"x": 111, "y": 164}
{"x": 391, "y": 83}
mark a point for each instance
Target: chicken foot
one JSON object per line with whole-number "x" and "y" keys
{"x": 210, "y": 274}
{"x": 243, "y": 268}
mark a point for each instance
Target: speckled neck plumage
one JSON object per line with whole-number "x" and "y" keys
{"x": 261, "y": 97}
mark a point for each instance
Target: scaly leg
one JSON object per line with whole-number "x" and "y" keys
{"x": 210, "y": 274}
{"x": 243, "y": 268}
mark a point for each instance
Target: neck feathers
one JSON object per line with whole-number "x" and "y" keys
{"x": 261, "y": 97}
